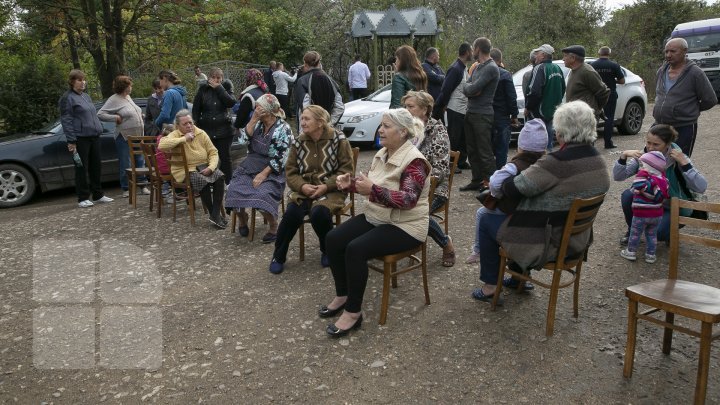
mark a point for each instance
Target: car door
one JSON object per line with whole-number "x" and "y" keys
{"x": 108, "y": 152}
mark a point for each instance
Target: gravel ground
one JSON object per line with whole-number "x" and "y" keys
{"x": 112, "y": 305}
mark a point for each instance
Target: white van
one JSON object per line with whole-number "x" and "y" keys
{"x": 703, "y": 38}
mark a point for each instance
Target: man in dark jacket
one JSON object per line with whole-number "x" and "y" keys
{"x": 681, "y": 93}
{"x": 314, "y": 86}
{"x": 546, "y": 90}
{"x": 268, "y": 77}
{"x": 584, "y": 83}
{"x": 505, "y": 111}
{"x": 152, "y": 110}
{"x": 434, "y": 72}
{"x": 612, "y": 75}
{"x": 210, "y": 112}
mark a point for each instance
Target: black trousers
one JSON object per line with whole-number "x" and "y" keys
{"x": 478, "y": 139}
{"x": 320, "y": 219}
{"x": 351, "y": 245}
{"x": 357, "y": 94}
{"x": 284, "y": 104}
{"x": 89, "y": 150}
{"x": 456, "y": 132}
{"x": 609, "y": 125}
{"x": 212, "y": 197}
{"x": 223, "y": 147}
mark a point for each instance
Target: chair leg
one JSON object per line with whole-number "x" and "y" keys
{"x": 393, "y": 271}
{"x": 552, "y": 304}
{"x": 174, "y": 205}
{"x": 703, "y": 363}
{"x": 445, "y": 220}
{"x": 152, "y": 195}
{"x": 667, "y": 336}
{"x": 233, "y": 221}
{"x": 631, "y": 334}
{"x": 252, "y": 225}
{"x": 576, "y": 289}
{"x": 160, "y": 201}
{"x": 424, "y": 273}
{"x": 387, "y": 269}
{"x": 302, "y": 241}
{"x": 498, "y": 288}
{"x": 191, "y": 207}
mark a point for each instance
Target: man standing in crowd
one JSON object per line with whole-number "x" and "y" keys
{"x": 480, "y": 91}
{"x": 268, "y": 77}
{"x": 612, "y": 75}
{"x": 200, "y": 77}
{"x": 681, "y": 93}
{"x": 454, "y": 102}
{"x": 358, "y": 75}
{"x": 527, "y": 75}
{"x": 584, "y": 83}
{"x": 434, "y": 72}
{"x": 545, "y": 90}
{"x": 505, "y": 111}
{"x": 316, "y": 87}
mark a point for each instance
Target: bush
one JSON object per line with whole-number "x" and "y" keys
{"x": 29, "y": 89}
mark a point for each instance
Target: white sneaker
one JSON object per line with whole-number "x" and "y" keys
{"x": 126, "y": 194}
{"x": 650, "y": 258}
{"x": 104, "y": 199}
{"x": 85, "y": 204}
{"x": 628, "y": 255}
{"x": 145, "y": 191}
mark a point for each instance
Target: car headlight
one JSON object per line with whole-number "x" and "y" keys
{"x": 362, "y": 117}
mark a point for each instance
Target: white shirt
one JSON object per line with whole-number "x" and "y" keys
{"x": 281, "y": 81}
{"x": 358, "y": 75}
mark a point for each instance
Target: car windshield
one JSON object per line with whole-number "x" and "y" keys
{"x": 53, "y": 127}
{"x": 381, "y": 96}
{"x": 703, "y": 43}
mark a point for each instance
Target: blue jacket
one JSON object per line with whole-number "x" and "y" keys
{"x": 435, "y": 76}
{"x": 78, "y": 116}
{"x": 173, "y": 101}
{"x": 505, "y": 101}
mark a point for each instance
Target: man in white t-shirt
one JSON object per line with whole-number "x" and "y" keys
{"x": 358, "y": 75}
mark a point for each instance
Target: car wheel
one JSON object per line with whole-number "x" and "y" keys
{"x": 17, "y": 185}
{"x": 632, "y": 118}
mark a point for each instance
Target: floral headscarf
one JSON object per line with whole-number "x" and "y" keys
{"x": 255, "y": 77}
{"x": 270, "y": 103}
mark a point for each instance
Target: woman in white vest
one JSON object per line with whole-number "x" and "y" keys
{"x": 395, "y": 219}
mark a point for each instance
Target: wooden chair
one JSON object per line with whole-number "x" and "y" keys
{"x": 445, "y": 208}
{"x": 133, "y": 172}
{"x": 580, "y": 218}
{"x": 349, "y": 207}
{"x": 177, "y": 156}
{"x": 155, "y": 177}
{"x": 678, "y": 297}
{"x": 390, "y": 270}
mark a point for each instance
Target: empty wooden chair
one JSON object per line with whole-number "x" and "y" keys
{"x": 580, "y": 218}
{"x": 672, "y": 296}
{"x": 134, "y": 173}
{"x": 156, "y": 179}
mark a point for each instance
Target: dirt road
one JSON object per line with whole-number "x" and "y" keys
{"x": 112, "y": 305}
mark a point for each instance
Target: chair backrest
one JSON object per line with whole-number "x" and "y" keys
{"x": 150, "y": 154}
{"x": 454, "y": 159}
{"x": 177, "y": 157}
{"x": 690, "y": 223}
{"x": 433, "y": 185}
{"x": 135, "y": 146}
{"x": 580, "y": 218}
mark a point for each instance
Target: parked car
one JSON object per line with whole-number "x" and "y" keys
{"x": 631, "y": 103}
{"x": 40, "y": 161}
{"x": 361, "y": 118}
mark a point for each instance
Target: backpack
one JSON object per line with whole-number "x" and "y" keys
{"x": 338, "y": 106}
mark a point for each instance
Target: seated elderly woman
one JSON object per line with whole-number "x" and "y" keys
{"x": 259, "y": 181}
{"x": 546, "y": 191}
{"x": 318, "y": 155}
{"x": 395, "y": 218}
{"x": 434, "y": 144}
{"x": 202, "y": 161}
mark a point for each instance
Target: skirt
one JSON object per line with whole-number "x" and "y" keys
{"x": 199, "y": 182}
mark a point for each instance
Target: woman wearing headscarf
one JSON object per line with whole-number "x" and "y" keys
{"x": 255, "y": 87}
{"x": 259, "y": 180}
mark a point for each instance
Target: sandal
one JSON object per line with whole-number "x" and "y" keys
{"x": 269, "y": 237}
{"x": 479, "y": 295}
{"x": 448, "y": 259}
{"x": 509, "y": 282}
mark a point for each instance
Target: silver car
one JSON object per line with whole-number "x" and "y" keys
{"x": 631, "y": 102}
{"x": 361, "y": 118}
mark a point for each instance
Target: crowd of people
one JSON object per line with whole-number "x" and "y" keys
{"x": 470, "y": 109}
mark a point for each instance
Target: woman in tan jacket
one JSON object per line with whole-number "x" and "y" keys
{"x": 316, "y": 158}
{"x": 395, "y": 219}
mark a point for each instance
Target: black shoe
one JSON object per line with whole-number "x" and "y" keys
{"x": 611, "y": 146}
{"x": 218, "y": 222}
{"x": 458, "y": 170}
{"x": 336, "y": 332}
{"x": 624, "y": 240}
{"x": 464, "y": 165}
{"x": 471, "y": 187}
{"x": 325, "y": 312}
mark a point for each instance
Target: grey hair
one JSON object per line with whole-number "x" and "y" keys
{"x": 575, "y": 122}
{"x": 682, "y": 41}
{"x": 402, "y": 119}
{"x": 182, "y": 113}
{"x": 533, "y": 57}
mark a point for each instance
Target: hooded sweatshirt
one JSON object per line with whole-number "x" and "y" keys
{"x": 173, "y": 101}
{"x": 682, "y": 103}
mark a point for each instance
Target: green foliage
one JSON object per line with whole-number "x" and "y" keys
{"x": 29, "y": 89}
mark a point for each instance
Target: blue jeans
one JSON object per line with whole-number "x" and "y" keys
{"x": 501, "y": 141}
{"x": 434, "y": 229}
{"x": 663, "y": 230}
{"x": 123, "y": 152}
{"x": 551, "y": 134}
{"x": 488, "y": 226}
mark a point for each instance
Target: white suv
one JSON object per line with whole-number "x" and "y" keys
{"x": 631, "y": 102}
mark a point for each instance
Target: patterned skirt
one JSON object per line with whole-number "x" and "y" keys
{"x": 198, "y": 181}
